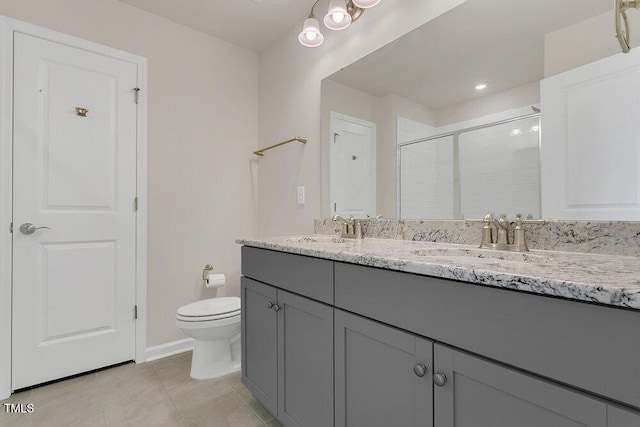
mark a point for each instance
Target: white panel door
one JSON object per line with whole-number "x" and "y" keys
{"x": 352, "y": 152}
{"x": 590, "y": 151}
{"x": 73, "y": 282}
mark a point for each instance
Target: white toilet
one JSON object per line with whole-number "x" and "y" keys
{"x": 214, "y": 324}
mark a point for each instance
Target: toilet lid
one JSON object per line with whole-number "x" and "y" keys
{"x": 211, "y": 307}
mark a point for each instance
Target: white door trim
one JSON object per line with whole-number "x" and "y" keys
{"x": 339, "y": 116}
{"x": 8, "y": 27}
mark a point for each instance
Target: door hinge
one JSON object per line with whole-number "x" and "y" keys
{"x": 135, "y": 203}
{"x": 137, "y": 94}
{"x": 11, "y": 228}
{"x": 135, "y": 312}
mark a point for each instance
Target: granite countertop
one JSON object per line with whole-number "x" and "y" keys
{"x": 604, "y": 279}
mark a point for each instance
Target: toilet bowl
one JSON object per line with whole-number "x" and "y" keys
{"x": 214, "y": 324}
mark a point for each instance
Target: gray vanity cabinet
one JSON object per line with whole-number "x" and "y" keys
{"x": 305, "y": 362}
{"x": 259, "y": 342}
{"x": 388, "y": 377}
{"x": 618, "y": 417}
{"x": 473, "y": 392}
{"x": 382, "y": 375}
{"x": 288, "y": 354}
{"x": 396, "y": 349}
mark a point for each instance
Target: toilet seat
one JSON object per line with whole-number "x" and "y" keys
{"x": 210, "y": 309}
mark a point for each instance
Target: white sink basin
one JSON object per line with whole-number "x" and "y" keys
{"x": 482, "y": 256}
{"x": 323, "y": 239}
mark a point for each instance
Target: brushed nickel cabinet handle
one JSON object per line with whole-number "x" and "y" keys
{"x": 420, "y": 370}
{"x": 439, "y": 379}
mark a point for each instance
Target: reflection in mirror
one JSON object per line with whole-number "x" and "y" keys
{"x": 456, "y": 135}
{"x": 465, "y": 174}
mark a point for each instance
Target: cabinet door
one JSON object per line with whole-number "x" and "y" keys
{"x": 382, "y": 375}
{"x": 478, "y": 393}
{"x": 259, "y": 342}
{"x": 305, "y": 362}
{"x": 618, "y": 417}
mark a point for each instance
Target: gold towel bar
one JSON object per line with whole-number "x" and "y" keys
{"x": 302, "y": 139}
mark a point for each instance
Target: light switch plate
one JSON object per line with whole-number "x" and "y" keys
{"x": 301, "y": 195}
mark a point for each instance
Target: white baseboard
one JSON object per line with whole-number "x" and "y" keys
{"x": 169, "y": 349}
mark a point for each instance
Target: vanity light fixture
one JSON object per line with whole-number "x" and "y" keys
{"x": 365, "y": 4}
{"x": 623, "y": 36}
{"x": 340, "y": 14}
{"x": 337, "y": 17}
{"x": 311, "y": 35}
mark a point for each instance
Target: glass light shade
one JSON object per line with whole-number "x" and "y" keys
{"x": 337, "y": 17}
{"x": 365, "y": 4}
{"x": 311, "y": 35}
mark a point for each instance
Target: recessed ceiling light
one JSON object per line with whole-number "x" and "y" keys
{"x": 534, "y": 128}
{"x": 481, "y": 86}
{"x": 516, "y": 132}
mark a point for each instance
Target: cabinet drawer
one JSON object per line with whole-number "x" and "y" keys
{"x": 310, "y": 277}
{"x": 588, "y": 346}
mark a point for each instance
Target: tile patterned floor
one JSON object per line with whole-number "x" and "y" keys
{"x": 158, "y": 393}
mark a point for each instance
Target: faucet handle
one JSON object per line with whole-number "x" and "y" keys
{"x": 488, "y": 219}
{"x": 519, "y": 238}
{"x": 529, "y": 220}
{"x": 487, "y": 232}
{"x": 519, "y": 221}
{"x": 502, "y": 237}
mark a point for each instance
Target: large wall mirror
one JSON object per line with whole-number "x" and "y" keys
{"x": 448, "y": 122}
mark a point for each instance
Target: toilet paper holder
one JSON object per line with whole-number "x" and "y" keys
{"x": 206, "y": 270}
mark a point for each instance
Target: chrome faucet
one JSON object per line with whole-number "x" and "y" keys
{"x": 351, "y": 228}
{"x": 507, "y": 238}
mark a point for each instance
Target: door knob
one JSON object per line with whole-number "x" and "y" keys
{"x": 420, "y": 370}
{"x": 28, "y": 228}
{"x": 439, "y": 379}
{"x": 276, "y": 308}
{"x": 269, "y": 304}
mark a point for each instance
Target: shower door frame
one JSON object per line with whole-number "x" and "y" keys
{"x": 456, "y": 156}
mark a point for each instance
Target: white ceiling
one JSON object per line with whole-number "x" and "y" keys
{"x": 497, "y": 42}
{"x": 252, "y": 24}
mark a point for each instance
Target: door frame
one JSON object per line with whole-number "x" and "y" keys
{"x": 333, "y": 116}
{"x": 8, "y": 27}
